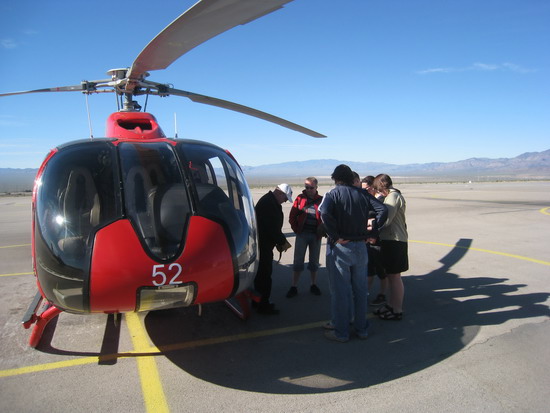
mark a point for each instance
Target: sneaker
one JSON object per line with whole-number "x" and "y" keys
{"x": 328, "y": 326}
{"x": 315, "y": 290}
{"x": 292, "y": 292}
{"x": 331, "y": 335}
{"x": 379, "y": 300}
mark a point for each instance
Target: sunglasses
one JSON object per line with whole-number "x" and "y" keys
{"x": 309, "y": 187}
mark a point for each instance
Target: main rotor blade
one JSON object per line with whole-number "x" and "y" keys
{"x": 201, "y": 22}
{"x": 243, "y": 109}
{"x": 75, "y": 88}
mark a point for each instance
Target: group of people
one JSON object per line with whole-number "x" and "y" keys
{"x": 364, "y": 222}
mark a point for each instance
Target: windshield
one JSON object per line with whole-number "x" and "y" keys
{"x": 155, "y": 196}
{"x": 223, "y": 196}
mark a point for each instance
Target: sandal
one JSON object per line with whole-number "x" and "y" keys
{"x": 383, "y": 310}
{"x": 390, "y": 315}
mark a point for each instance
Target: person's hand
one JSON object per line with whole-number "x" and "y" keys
{"x": 283, "y": 247}
{"x": 342, "y": 241}
{"x": 370, "y": 223}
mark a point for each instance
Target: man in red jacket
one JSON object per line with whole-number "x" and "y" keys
{"x": 305, "y": 222}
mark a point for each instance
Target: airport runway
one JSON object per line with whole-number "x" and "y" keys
{"x": 474, "y": 337}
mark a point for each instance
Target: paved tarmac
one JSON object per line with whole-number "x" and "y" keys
{"x": 474, "y": 337}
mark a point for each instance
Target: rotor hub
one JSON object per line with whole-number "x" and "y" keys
{"x": 118, "y": 74}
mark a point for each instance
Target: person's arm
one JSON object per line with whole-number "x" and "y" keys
{"x": 393, "y": 203}
{"x": 293, "y": 216}
{"x": 381, "y": 212}
{"x": 270, "y": 222}
{"x": 327, "y": 216}
{"x": 277, "y": 219}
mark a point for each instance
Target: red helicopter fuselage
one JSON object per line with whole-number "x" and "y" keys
{"x": 137, "y": 221}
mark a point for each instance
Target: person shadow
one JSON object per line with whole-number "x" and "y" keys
{"x": 287, "y": 354}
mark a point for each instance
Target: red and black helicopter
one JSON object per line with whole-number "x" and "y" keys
{"x": 136, "y": 221}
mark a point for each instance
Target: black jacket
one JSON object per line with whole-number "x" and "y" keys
{"x": 269, "y": 214}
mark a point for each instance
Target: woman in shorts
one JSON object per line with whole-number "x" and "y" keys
{"x": 394, "y": 246}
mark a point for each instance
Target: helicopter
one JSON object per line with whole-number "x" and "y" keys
{"x": 137, "y": 221}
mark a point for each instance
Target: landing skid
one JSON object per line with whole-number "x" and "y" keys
{"x": 39, "y": 313}
{"x": 240, "y": 304}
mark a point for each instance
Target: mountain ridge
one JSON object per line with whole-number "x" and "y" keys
{"x": 528, "y": 165}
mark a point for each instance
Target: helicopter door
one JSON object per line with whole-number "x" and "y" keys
{"x": 223, "y": 196}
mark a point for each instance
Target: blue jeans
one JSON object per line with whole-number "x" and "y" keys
{"x": 347, "y": 270}
{"x": 307, "y": 240}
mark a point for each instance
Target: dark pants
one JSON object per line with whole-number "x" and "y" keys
{"x": 262, "y": 282}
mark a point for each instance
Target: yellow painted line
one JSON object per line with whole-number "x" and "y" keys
{"x": 151, "y": 386}
{"x": 48, "y": 366}
{"x": 504, "y": 254}
{"x": 144, "y": 350}
{"x": 16, "y": 246}
{"x": 238, "y": 337}
{"x": 74, "y": 362}
{"x": 16, "y": 273}
{"x": 545, "y": 211}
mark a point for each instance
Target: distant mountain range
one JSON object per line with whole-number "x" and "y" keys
{"x": 530, "y": 165}
{"x": 16, "y": 180}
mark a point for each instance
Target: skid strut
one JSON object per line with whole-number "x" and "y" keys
{"x": 40, "y": 313}
{"x": 240, "y": 304}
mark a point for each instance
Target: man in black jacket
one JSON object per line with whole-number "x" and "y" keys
{"x": 269, "y": 215}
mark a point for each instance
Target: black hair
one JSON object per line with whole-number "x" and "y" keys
{"x": 343, "y": 173}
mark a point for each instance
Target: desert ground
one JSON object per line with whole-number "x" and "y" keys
{"x": 474, "y": 336}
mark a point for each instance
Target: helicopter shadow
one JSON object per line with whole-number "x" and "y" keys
{"x": 288, "y": 354}
{"x": 109, "y": 353}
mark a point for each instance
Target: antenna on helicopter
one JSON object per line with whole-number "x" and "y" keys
{"x": 175, "y": 125}
{"x": 89, "y": 118}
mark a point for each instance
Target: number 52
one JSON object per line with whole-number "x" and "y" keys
{"x": 159, "y": 271}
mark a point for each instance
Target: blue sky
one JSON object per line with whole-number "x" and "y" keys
{"x": 397, "y": 81}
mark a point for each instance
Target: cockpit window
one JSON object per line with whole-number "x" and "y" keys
{"x": 155, "y": 196}
{"x": 76, "y": 195}
{"x": 223, "y": 196}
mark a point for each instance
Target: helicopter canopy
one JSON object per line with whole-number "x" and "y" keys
{"x": 164, "y": 183}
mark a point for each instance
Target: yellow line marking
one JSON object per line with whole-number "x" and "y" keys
{"x": 504, "y": 254}
{"x": 74, "y": 362}
{"x": 151, "y": 386}
{"x": 146, "y": 351}
{"x": 16, "y": 246}
{"x": 48, "y": 366}
{"x": 16, "y": 273}
{"x": 545, "y": 211}
{"x": 238, "y": 337}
